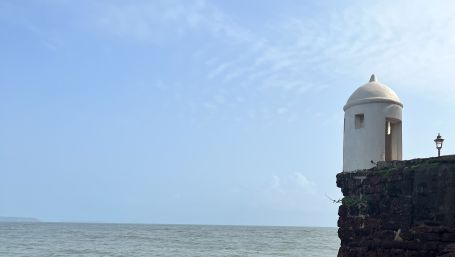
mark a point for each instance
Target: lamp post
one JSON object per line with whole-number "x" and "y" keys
{"x": 439, "y": 140}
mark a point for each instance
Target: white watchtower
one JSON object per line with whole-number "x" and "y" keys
{"x": 372, "y": 126}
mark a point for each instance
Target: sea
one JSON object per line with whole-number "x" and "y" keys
{"x": 80, "y": 239}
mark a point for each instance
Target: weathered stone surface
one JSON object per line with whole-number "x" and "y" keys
{"x": 399, "y": 208}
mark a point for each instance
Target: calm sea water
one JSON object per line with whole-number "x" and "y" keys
{"x": 67, "y": 239}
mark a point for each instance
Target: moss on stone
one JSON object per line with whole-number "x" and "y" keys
{"x": 350, "y": 201}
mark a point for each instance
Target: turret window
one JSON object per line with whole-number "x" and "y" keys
{"x": 359, "y": 120}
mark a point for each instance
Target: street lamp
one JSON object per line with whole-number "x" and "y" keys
{"x": 439, "y": 140}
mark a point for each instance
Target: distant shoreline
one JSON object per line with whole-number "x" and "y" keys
{"x": 18, "y": 219}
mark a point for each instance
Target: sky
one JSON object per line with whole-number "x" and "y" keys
{"x": 206, "y": 112}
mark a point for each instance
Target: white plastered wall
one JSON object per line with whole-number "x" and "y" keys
{"x": 363, "y": 145}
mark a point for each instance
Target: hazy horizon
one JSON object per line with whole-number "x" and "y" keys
{"x": 37, "y": 220}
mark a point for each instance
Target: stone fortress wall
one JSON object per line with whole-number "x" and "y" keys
{"x": 399, "y": 208}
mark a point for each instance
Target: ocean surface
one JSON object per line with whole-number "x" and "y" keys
{"x": 78, "y": 239}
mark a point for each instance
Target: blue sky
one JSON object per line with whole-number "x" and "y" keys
{"x": 207, "y": 112}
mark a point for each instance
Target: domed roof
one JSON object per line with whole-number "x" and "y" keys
{"x": 373, "y": 91}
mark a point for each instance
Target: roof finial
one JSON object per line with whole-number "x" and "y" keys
{"x": 373, "y": 78}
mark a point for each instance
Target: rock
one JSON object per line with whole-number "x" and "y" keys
{"x": 401, "y": 208}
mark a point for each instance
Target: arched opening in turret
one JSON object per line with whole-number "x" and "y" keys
{"x": 392, "y": 136}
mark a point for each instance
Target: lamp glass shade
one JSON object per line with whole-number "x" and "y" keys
{"x": 439, "y": 140}
{"x": 439, "y": 144}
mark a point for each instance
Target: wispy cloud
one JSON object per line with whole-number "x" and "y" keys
{"x": 289, "y": 192}
{"x": 295, "y": 183}
{"x": 408, "y": 43}
{"x": 158, "y": 20}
